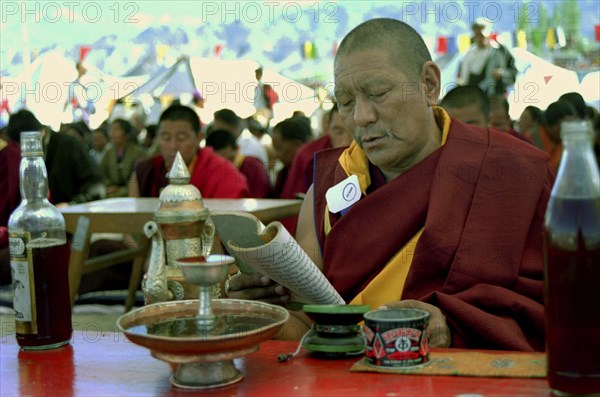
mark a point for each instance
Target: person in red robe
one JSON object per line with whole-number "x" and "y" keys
{"x": 555, "y": 114}
{"x": 288, "y": 136}
{"x": 179, "y": 131}
{"x": 449, "y": 219}
{"x": 224, "y": 144}
{"x": 300, "y": 176}
{"x": 10, "y": 198}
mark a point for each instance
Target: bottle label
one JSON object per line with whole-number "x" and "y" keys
{"x": 21, "y": 268}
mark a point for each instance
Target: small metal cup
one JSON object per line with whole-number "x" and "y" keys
{"x": 205, "y": 272}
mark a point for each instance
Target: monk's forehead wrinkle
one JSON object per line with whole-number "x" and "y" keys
{"x": 342, "y": 72}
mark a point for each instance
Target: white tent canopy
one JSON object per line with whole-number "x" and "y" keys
{"x": 44, "y": 88}
{"x": 539, "y": 83}
{"x": 229, "y": 84}
{"x": 590, "y": 88}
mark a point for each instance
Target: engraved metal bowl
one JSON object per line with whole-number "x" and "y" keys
{"x": 202, "y": 361}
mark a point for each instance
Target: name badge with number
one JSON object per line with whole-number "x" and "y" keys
{"x": 343, "y": 195}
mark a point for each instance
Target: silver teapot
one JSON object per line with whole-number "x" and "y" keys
{"x": 181, "y": 228}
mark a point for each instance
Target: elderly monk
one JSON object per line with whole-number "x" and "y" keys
{"x": 179, "y": 131}
{"x": 450, "y": 216}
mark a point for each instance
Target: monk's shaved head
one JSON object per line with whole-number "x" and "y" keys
{"x": 405, "y": 46}
{"x": 466, "y": 95}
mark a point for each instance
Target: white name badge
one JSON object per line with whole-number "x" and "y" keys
{"x": 343, "y": 195}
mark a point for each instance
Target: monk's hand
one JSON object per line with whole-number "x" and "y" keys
{"x": 438, "y": 331}
{"x": 256, "y": 287}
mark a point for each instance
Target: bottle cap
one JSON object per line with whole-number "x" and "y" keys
{"x": 31, "y": 143}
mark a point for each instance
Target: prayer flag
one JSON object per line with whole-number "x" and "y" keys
{"x": 464, "y": 42}
{"x": 551, "y": 38}
{"x": 309, "y": 50}
{"x": 83, "y": 52}
{"x": 452, "y": 45}
{"x": 442, "y": 45}
{"x": 161, "y": 52}
{"x": 561, "y": 39}
{"x": 218, "y": 50}
{"x": 522, "y": 39}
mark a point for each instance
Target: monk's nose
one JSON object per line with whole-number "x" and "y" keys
{"x": 364, "y": 112}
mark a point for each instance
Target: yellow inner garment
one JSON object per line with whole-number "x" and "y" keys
{"x": 239, "y": 160}
{"x": 378, "y": 292}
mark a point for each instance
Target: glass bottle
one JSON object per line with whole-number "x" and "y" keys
{"x": 572, "y": 267}
{"x": 39, "y": 257}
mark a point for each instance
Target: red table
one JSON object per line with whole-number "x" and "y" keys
{"x": 107, "y": 364}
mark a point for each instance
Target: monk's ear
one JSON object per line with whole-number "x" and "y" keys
{"x": 431, "y": 82}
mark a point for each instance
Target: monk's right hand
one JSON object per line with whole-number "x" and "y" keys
{"x": 257, "y": 287}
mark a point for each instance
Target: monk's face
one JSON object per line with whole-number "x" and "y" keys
{"x": 285, "y": 149}
{"x": 387, "y": 114}
{"x": 526, "y": 121}
{"x": 498, "y": 118}
{"x": 118, "y": 136}
{"x": 177, "y": 136}
{"x": 227, "y": 152}
{"x": 337, "y": 132}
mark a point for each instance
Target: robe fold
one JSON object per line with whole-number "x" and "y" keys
{"x": 300, "y": 175}
{"x": 480, "y": 200}
{"x": 213, "y": 175}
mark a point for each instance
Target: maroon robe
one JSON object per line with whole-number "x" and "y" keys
{"x": 258, "y": 179}
{"x": 300, "y": 176}
{"x": 481, "y": 200}
{"x": 213, "y": 175}
{"x": 10, "y": 196}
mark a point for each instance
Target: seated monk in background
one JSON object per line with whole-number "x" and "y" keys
{"x": 288, "y": 137}
{"x": 179, "y": 131}
{"x": 224, "y": 144}
{"x": 450, "y": 216}
{"x": 300, "y": 176}
{"x": 470, "y": 105}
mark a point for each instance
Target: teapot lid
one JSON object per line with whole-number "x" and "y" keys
{"x": 180, "y": 199}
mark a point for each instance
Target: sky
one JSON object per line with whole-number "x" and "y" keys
{"x": 267, "y": 26}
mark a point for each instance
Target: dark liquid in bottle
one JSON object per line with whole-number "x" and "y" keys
{"x": 52, "y": 298}
{"x": 572, "y": 259}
